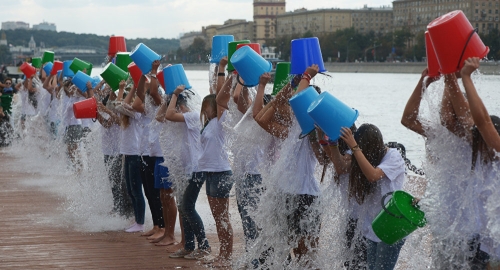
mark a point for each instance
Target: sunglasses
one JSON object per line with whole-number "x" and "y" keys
{"x": 8, "y": 83}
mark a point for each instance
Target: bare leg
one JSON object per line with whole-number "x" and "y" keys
{"x": 169, "y": 216}
{"x": 154, "y": 230}
{"x": 220, "y": 211}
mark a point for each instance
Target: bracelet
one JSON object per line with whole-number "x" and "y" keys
{"x": 307, "y": 75}
{"x": 323, "y": 142}
{"x": 221, "y": 74}
{"x": 355, "y": 148}
{"x": 153, "y": 75}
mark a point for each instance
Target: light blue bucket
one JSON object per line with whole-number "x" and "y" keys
{"x": 48, "y": 68}
{"x": 220, "y": 47}
{"x": 299, "y": 103}
{"x": 95, "y": 81}
{"x": 331, "y": 114}
{"x": 58, "y": 74}
{"x": 174, "y": 76}
{"x": 304, "y": 53}
{"x": 250, "y": 65}
{"x": 80, "y": 80}
{"x": 143, "y": 57}
{"x": 67, "y": 72}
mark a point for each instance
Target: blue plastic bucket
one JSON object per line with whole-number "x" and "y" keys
{"x": 304, "y": 53}
{"x": 95, "y": 81}
{"x": 143, "y": 57}
{"x": 250, "y": 65}
{"x": 300, "y": 103}
{"x": 80, "y": 80}
{"x": 58, "y": 73}
{"x": 175, "y": 76}
{"x": 331, "y": 114}
{"x": 48, "y": 68}
{"x": 67, "y": 72}
{"x": 220, "y": 47}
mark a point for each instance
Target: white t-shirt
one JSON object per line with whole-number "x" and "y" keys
{"x": 53, "y": 110}
{"x": 155, "y": 128}
{"x": 43, "y": 98}
{"x": 144, "y": 123}
{"x": 214, "y": 157}
{"x": 110, "y": 139}
{"x": 192, "y": 144}
{"x": 129, "y": 137}
{"x": 26, "y": 106}
{"x": 393, "y": 167}
{"x": 68, "y": 115}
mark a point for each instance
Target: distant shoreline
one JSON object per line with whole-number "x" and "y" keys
{"x": 490, "y": 68}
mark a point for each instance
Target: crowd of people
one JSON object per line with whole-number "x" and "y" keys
{"x": 166, "y": 147}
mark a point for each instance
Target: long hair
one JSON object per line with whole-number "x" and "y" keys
{"x": 343, "y": 147}
{"x": 478, "y": 142}
{"x": 370, "y": 140}
{"x": 208, "y": 101}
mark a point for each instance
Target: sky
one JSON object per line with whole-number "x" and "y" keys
{"x": 148, "y": 18}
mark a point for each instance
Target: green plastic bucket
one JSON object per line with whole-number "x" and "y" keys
{"x": 281, "y": 76}
{"x": 80, "y": 65}
{"x": 48, "y": 56}
{"x": 113, "y": 75}
{"x": 231, "y": 48}
{"x": 123, "y": 60}
{"x": 399, "y": 217}
{"x": 36, "y": 62}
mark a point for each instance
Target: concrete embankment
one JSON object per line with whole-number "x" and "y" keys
{"x": 490, "y": 68}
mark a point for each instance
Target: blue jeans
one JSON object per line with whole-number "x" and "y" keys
{"x": 381, "y": 256}
{"x": 219, "y": 184}
{"x": 248, "y": 191}
{"x": 132, "y": 173}
{"x": 193, "y": 225}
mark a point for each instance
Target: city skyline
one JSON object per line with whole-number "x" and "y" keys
{"x": 150, "y": 18}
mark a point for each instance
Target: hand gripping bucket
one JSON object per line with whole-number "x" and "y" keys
{"x": 85, "y": 108}
{"x": 304, "y": 53}
{"x": 299, "y": 103}
{"x": 95, "y": 81}
{"x": 143, "y": 57}
{"x": 48, "y": 56}
{"x": 47, "y": 68}
{"x": 174, "y": 76}
{"x": 250, "y": 65}
{"x": 27, "y": 69}
{"x": 281, "y": 76}
{"x": 454, "y": 41}
{"x": 58, "y": 65}
{"x": 135, "y": 73}
{"x": 67, "y": 72}
{"x": 161, "y": 78}
{"x": 399, "y": 217}
{"x": 123, "y": 60}
{"x": 80, "y": 80}
{"x": 116, "y": 44}
{"x": 36, "y": 62}
{"x": 113, "y": 75}
{"x": 432, "y": 62}
{"x": 331, "y": 114}
{"x": 80, "y": 65}
{"x": 231, "y": 48}
{"x": 219, "y": 47}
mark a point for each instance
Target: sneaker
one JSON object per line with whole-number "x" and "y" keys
{"x": 181, "y": 253}
{"x": 198, "y": 254}
{"x": 135, "y": 228}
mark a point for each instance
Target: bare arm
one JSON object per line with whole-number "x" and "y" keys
{"x": 161, "y": 113}
{"x": 479, "y": 112}
{"x": 455, "y": 112}
{"x": 244, "y": 101}
{"x": 258, "y": 103}
{"x": 107, "y": 123}
{"x": 220, "y": 79}
{"x": 121, "y": 90}
{"x": 172, "y": 114}
{"x": 224, "y": 95}
{"x": 153, "y": 86}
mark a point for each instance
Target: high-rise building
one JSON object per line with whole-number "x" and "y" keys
{"x": 240, "y": 29}
{"x": 265, "y": 13}
{"x": 15, "y": 25}
{"x": 318, "y": 22}
{"x": 376, "y": 19}
{"x": 45, "y": 26}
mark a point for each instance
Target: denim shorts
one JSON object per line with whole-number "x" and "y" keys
{"x": 161, "y": 175}
{"x": 218, "y": 184}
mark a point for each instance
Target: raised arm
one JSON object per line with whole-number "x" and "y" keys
{"x": 172, "y": 114}
{"x": 479, "y": 112}
{"x": 220, "y": 74}
{"x": 341, "y": 163}
{"x": 121, "y": 90}
{"x": 141, "y": 91}
{"x": 455, "y": 112}
{"x": 258, "y": 103}
{"x": 153, "y": 86}
{"x": 224, "y": 94}
{"x": 244, "y": 101}
{"x": 106, "y": 123}
{"x": 161, "y": 113}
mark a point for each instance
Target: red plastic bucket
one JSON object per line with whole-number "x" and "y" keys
{"x": 85, "y": 108}
{"x": 161, "y": 78}
{"x": 432, "y": 61}
{"x": 254, "y": 46}
{"x": 28, "y": 69}
{"x": 135, "y": 73}
{"x": 58, "y": 65}
{"x": 116, "y": 44}
{"x": 454, "y": 41}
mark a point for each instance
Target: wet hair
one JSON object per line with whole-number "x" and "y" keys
{"x": 370, "y": 140}
{"x": 105, "y": 100}
{"x": 478, "y": 141}
{"x": 208, "y": 101}
{"x": 317, "y": 88}
{"x": 343, "y": 147}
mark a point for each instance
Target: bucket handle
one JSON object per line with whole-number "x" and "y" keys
{"x": 465, "y": 47}
{"x": 246, "y": 85}
{"x": 385, "y": 209}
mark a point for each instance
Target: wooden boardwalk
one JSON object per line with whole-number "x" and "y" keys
{"x": 27, "y": 244}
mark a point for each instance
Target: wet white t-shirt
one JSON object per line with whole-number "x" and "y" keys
{"x": 68, "y": 114}
{"x": 26, "y": 106}
{"x": 110, "y": 139}
{"x": 129, "y": 136}
{"x": 53, "y": 110}
{"x": 144, "y": 124}
{"x": 192, "y": 145}
{"x": 214, "y": 157}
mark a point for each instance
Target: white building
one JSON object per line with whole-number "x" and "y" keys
{"x": 15, "y": 25}
{"x": 45, "y": 26}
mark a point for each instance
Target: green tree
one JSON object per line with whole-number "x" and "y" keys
{"x": 5, "y": 56}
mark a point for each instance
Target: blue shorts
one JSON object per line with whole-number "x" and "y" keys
{"x": 218, "y": 184}
{"x": 161, "y": 175}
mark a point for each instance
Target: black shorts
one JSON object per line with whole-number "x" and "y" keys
{"x": 73, "y": 134}
{"x": 304, "y": 217}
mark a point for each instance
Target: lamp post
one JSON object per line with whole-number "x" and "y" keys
{"x": 347, "y": 49}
